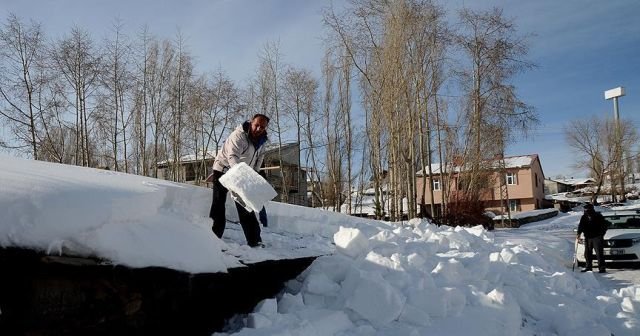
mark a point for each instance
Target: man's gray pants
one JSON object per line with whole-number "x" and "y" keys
{"x": 597, "y": 244}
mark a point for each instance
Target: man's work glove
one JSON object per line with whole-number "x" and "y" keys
{"x": 263, "y": 217}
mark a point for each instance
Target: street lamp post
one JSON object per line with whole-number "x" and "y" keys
{"x": 614, "y": 94}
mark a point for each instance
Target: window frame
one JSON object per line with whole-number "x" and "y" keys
{"x": 514, "y": 205}
{"x": 435, "y": 184}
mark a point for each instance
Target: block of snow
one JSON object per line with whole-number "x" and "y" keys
{"x": 570, "y": 318}
{"x": 245, "y": 182}
{"x": 508, "y": 256}
{"x": 290, "y": 303}
{"x": 320, "y": 322}
{"x": 456, "y": 301}
{"x": 630, "y": 306}
{"x": 377, "y": 262}
{"x": 320, "y": 284}
{"x": 385, "y": 236}
{"x": 450, "y": 272}
{"x": 267, "y": 307}
{"x": 632, "y": 291}
{"x": 375, "y": 300}
{"x": 415, "y": 260}
{"x": 314, "y": 300}
{"x": 562, "y": 282}
{"x": 610, "y": 305}
{"x": 415, "y": 316}
{"x": 257, "y": 320}
{"x": 351, "y": 242}
{"x": 432, "y": 301}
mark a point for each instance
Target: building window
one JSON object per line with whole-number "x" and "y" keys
{"x": 511, "y": 179}
{"x": 514, "y": 205}
{"x": 436, "y": 184}
{"x": 536, "y": 176}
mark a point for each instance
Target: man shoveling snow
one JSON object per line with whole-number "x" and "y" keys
{"x": 240, "y": 158}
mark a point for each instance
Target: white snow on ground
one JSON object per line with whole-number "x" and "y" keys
{"x": 525, "y": 214}
{"x": 410, "y": 278}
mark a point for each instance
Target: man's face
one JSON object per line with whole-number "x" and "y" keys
{"x": 258, "y": 127}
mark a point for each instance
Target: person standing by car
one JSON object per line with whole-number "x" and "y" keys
{"x": 593, "y": 226}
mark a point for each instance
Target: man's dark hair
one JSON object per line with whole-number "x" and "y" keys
{"x": 258, "y": 115}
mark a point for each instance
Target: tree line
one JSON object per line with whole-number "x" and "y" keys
{"x": 380, "y": 112}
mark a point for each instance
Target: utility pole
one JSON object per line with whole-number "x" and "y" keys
{"x": 504, "y": 188}
{"x": 614, "y": 94}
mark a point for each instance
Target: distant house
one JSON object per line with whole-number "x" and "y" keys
{"x": 292, "y": 189}
{"x": 562, "y": 193}
{"x": 363, "y": 204}
{"x": 556, "y": 186}
{"x": 523, "y": 178}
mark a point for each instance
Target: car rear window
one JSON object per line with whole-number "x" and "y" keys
{"x": 623, "y": 221}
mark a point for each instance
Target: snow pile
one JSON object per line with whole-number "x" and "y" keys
{"x": 253, "y": 190}
{"x": 383, "y": 278}
{"x": 313, "y": 221}
{"x": 421, "y": 279}
{"x": 127, "y": 219}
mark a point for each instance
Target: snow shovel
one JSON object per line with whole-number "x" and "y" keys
{"x": 575, "y": 256}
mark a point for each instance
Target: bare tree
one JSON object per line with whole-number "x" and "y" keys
{"x": 214, "y": 110}
{"x": 333, "y": 119}
{"x": 160, "y": 71}
{"x": 115, "y": 80}
{"x": 141, "y": 100}
{"x": 22, "y": 80}
{"x": 299, "y": 97}
{"x": 272, "y": 70}
{"x": 181, "y": 76}
{"x": 396, "y": 48}
{"x": 78, "y": 61}
{"x": 493, "y": 55}
{"x": 595, "y": 141}
{"x": 344, "y": 109}
{"x": 57, "y": 141}
{"x": 358, "y": 31}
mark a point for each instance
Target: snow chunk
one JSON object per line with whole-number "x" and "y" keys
{"x": 257, "y": 320}
{"x": 321, "y": 322}
{"x": 268, "y": 307}
{"x": 375, "y": 300}
{"x": 508, "y": 256}
{"x": 351, "y": 242}
{"x": 320, "y": 284}
{"x": 450, "y": 272}
{"x": 415, "y": 316}
{"x": 630, "y": 306}
{"x": 290, "y": 303}
{"x": 245, "y": 182}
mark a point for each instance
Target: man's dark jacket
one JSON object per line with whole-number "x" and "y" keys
{"x": 592, "y": 224}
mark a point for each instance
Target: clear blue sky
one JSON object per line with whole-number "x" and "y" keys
{"x": 581, "y": 47}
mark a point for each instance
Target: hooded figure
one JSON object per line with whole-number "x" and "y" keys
{"x": 593, "y": 226}
{"x": 244, "y": 144}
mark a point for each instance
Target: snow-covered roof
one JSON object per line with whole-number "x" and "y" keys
{"x": 520, "y": 161}
{"x": 274, "y": 145}
{"x": 575, "y": 181}
{"x": 191, "y": 158}
{"x": 212, "y": 154}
